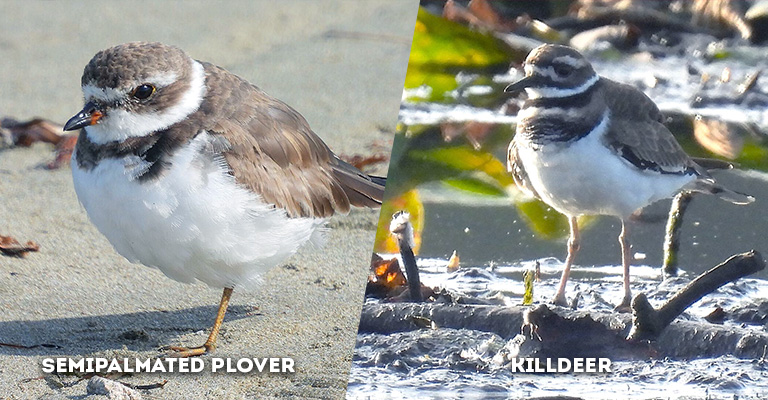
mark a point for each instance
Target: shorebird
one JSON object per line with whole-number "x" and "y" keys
{"x": 587, "y": 145}
{"x": 190, "y": 169}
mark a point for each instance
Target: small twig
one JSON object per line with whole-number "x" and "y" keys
{"x": 672, "y": 235}
{"x": 37, "y": 378}
{"x": 158, "y": 385}
{"x": 360, "y": 161}
{"x": 34, "y": 346}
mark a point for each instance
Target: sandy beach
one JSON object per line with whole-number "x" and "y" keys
{"x": 339, "y": 63}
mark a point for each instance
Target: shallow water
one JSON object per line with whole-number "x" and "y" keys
{"x": 490, "y": 231}
{"x": 720, "y": 378}
{"x": 459, "y": 363}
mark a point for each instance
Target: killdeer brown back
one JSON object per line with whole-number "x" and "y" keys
{"x": 190, "y": 169}
{"x": 587, "y": 145}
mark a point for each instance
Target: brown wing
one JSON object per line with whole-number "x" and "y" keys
{"x": 515, "y": 167}
{"x": 273, "y": 151}
{"x": 636, "y": 132}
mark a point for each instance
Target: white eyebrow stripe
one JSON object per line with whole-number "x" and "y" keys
{"x": 163, "y": 79}
{"x": 106, "y": 95}
{"x": 550, "y": 92}
{"x": 572, "y": 61}
{"x": 549, "y": 71}
{"x": 528, "y": 69}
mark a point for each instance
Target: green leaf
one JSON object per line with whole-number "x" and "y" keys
{"x": 439, "y": 43}
{"x": 420, "y": 154}
{"x": 465, "y": 158}
{"x": 543, "y": 219}
{"x": 442, "y": 48}
{"x": 754, "y": 156}
{"x": 546, "y": 221}
{"x": 528, "y": 277}
{"x": 440, "y": 84}
{"x": 475, "y": 185}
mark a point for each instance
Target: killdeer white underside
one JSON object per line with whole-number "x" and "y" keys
{"x": 190, "y": 169}
{"x": 586, "y": 145}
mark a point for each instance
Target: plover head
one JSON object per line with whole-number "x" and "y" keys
{"x": 137, "y": 88}
{"x": 555, "y": 71}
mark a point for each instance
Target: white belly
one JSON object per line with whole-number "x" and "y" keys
{"x": 586, "y": 178}
{"x": 193, "y": 222}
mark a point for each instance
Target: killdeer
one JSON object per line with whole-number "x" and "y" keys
{"x": 586, "y": 145}
{"x": 190, "y": 169}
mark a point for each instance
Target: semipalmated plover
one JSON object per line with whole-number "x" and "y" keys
{"x": 190, "y": 169}
{"x": 587, "y": 145}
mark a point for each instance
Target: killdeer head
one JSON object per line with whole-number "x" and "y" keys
{"x": 553, "y": 71}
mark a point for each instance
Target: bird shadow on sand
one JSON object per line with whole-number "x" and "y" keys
{"x": 141, "y": 331}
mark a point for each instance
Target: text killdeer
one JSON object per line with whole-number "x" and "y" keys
{"x": 190, "y": 169}
{"x": 586, "y": 145}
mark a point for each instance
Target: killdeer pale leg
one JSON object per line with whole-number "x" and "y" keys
{"x": 574, "y": 243}
{"x": 625, "y": 262}
{"x": 587, "y": 145}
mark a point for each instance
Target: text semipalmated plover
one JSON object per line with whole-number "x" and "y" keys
{"x": 587, "y": 145}
{"x": 190, "y": 169}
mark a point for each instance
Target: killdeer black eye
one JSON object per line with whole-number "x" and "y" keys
{"x": 143, "y": 92}
{"x": 563, "y": 70}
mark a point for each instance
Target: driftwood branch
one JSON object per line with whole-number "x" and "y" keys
{"x": 562, "y": 332}
{"x": 567, "y": 333}
{"x": 647, "y": 323}
{"x": 402, "y": 317}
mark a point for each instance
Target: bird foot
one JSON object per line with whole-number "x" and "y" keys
{"x": 534, "y": 331}
{"x": 625, "y": 306}
{"x": 186, "y": 352}
{"x": 559, "y": 300}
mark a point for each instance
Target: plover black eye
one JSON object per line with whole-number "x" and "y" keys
{"x": 563, "y": 70}
{"x": 143, "y": 92}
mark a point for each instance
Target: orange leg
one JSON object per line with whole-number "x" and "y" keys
{"x": 573, "y": 247}
{"x": 209, "y": 344}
